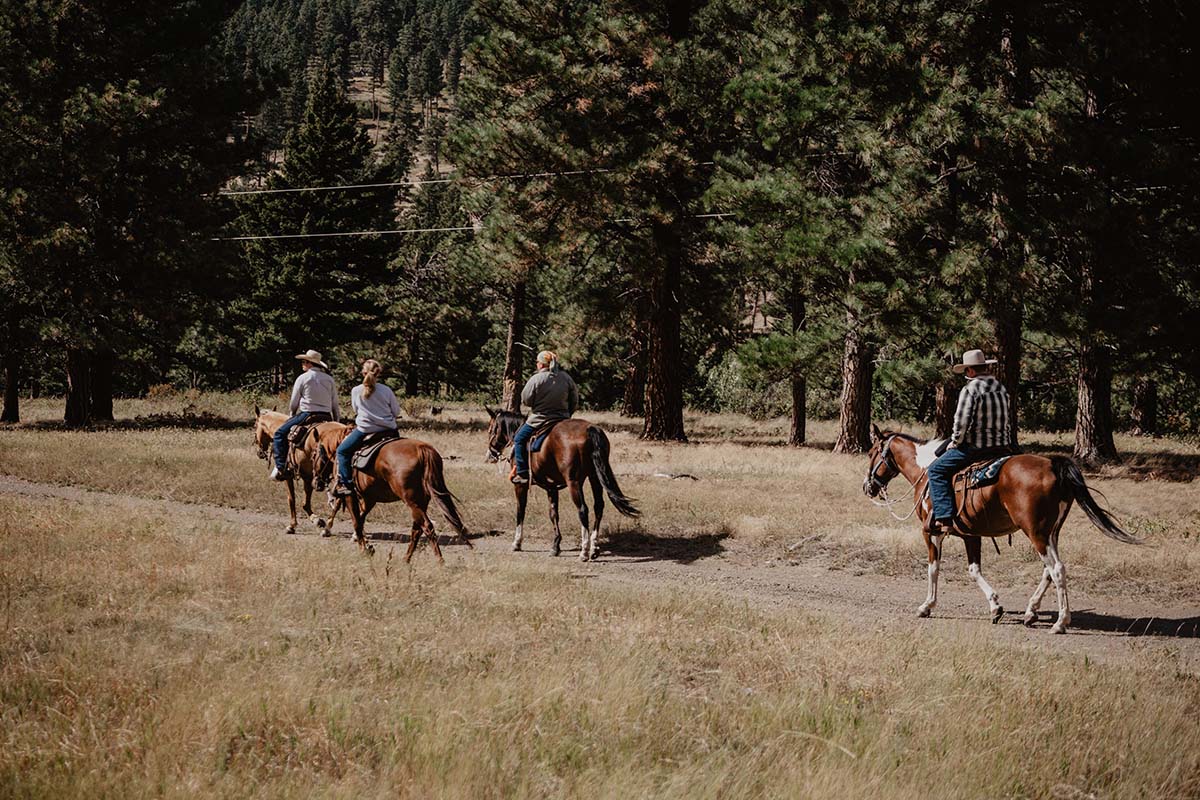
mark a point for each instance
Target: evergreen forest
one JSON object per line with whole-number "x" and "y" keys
{"x": 800, "y": 208}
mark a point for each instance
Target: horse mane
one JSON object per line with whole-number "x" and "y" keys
{"x": 905, "y": 436}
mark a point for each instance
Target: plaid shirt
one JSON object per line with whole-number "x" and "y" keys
{"x": 982, "y": 418}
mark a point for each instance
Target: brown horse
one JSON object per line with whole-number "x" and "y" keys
{"x": 574, "y": 452}
{"x": 404, "y": 469}
{"x": 1033, "y": 493}
{"x": 265, "y": 425}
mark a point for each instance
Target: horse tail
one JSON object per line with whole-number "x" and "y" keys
{"x": 1070, "y": 480}
{"x": 603, "y": 472}
{"x": 435, "y": 486}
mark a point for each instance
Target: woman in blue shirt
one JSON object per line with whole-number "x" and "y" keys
{"x": 375, "y": 409}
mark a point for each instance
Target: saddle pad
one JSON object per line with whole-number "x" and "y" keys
{"x": 985, "y": 474}
{"x": 365, "y": 455}
{"x": 540, "y": 435}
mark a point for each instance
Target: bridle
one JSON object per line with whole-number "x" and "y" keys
{"x": 260, "y": 449}
{"x": 504, "y": 437}
{"x": 879, "y": 483}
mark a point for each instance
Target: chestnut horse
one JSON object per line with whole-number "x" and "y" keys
{"x": 1033, "y": 493}
{"x": 265, "y": 425}
{"x": 404, "y": 469}
{"x": 575, "y": 451}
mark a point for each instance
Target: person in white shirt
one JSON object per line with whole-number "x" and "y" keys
{"x": 375, "y": 409}
{"x": 314, "y": 399}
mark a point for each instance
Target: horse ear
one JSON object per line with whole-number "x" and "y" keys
{"x": 876, "y": 435}
{"x": 491, "y": 413}
{"x": 257, "y": 412}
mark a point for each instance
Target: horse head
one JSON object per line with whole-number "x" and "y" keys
{"x": 883, "y": 467}
{"x": 501, "y": 431}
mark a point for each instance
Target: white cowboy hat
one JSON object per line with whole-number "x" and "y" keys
{"x": 973, "y": 358}
{"x": 313, "y": 357}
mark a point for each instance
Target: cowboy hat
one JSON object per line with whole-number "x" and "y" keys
{"x": 973, "y": 358}
{"x": 313, "y": 357}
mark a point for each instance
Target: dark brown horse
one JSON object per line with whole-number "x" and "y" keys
{"x": 575, "y": 451}
{"x": 1032, "y": 493}
{"x": 404, "y": 469}
{"x": 265, "y": 425}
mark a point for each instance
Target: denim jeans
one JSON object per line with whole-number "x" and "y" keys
{"x": 279, "y": 440}
{"x": 941, "y": 478}
{"x": 345, "y": 452}
{"x": 521, "y": 449}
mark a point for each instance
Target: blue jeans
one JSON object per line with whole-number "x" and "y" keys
{"x": 345, "y": 452}
{"x": 279, "y": 440}
{"x": 521, "y": 449}
{"x": 941, "y": 479}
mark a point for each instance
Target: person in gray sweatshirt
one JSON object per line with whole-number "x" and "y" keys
{"x": 314, "y": 399}
{"x": 551, "y": 394}
{"x": 375, "y": 409}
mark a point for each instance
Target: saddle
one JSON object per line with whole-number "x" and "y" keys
{"x": 297, "y": 435}
{"x": 541, "y": 433}
{"x": 371, "y": 444}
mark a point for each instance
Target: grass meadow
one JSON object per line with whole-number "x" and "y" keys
{"x": 158, "y": 652}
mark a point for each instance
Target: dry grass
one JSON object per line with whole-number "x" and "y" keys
{"x": 171, "y": 657}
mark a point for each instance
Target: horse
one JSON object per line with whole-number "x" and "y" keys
{"x": 575, "y": 451}
{"x": 1033, "y": 493}
{"x": 403, "y": 469}
{"x": 265, "y": 425}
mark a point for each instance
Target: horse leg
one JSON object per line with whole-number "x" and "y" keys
{"x": 522, "y": 490}
{"x": 935, "y": 565}
{"x": 1053, "y": 571}
{"x": 974, "y": 552}
{"x": 418, "y": 525}
{"x": 552, "y": 495}
{"x": 308, "y": 490}
{"x": 360, "y": 520}
{"x": 291, "y": 486}
{"x": 585, "y": 539}
{"x": 597, "y": 509}
{"x": 431, "y": 535}
{"x": 1035, "y": 599}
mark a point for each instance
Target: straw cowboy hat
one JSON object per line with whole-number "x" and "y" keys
{"x": 313, "y": 357}
{"x": 973, "y": 358}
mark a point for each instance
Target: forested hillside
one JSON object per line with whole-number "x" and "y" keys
{"x": 771, "y": 207}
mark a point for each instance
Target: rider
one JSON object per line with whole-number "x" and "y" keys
{"x": 981, "y": 422}
{"x": 550, "y": 395}
{"x": 376, "y": 408}
{"x": 313, "y": 393}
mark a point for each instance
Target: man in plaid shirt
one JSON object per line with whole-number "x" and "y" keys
{"x": 981, "y": 423}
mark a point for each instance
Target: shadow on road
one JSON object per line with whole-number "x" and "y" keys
{"x": 641, "y": 546}
{"x": 1181, "y": 628}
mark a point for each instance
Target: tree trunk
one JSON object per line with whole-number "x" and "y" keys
{"x": 102, "y": 385}
{"x": 514, "y": 355}
{"x": 633, "y": 401}
{"x": 412, "y": 377}
{"x": 79, "y": 391}
{"x": 664, "y": 383}
{"x": 858, "y": 369}
{"x": 1145, "y": 407}
{"x": 12, "y": 385}
{"x": 1093, "y": 419}
{"x": 1007, "y": 321}
{"x": 945, "y": 403}
{"x": 799, "y": 312}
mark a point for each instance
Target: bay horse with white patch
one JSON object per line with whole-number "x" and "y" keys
{"x": 573, "y": 452}
{"x": 404, "y": 469}
{"x": 265, "y": 425}
{"x": 1032, "y": 493}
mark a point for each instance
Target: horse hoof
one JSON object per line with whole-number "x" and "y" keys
{"x": 326, "y": 533}
{"x": 320, "y": 522}
{"x": 1029, "y": 618}
{"x": 1058, "y": 628}
{"x": 370, "y": 550}
{"x": 924, "y": 611}
{"x": 997, "y": 614}
{"x": 554, "y": 553}
{"x": 516, "y": 547}
{"x": 289, "y": 531}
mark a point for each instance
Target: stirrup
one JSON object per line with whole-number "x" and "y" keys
{"x": 344, "y": 490}
{"x": 519, "y": 479}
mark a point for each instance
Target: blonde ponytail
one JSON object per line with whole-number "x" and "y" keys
{"x": 371, "y": 370}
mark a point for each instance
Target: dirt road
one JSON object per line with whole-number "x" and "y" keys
{"x": 1109, "y": 629}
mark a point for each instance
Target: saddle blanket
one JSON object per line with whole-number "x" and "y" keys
{"x": 984, "y": 474}
{"x": 364, "y": 457}
{"x": 540, "y": 435}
